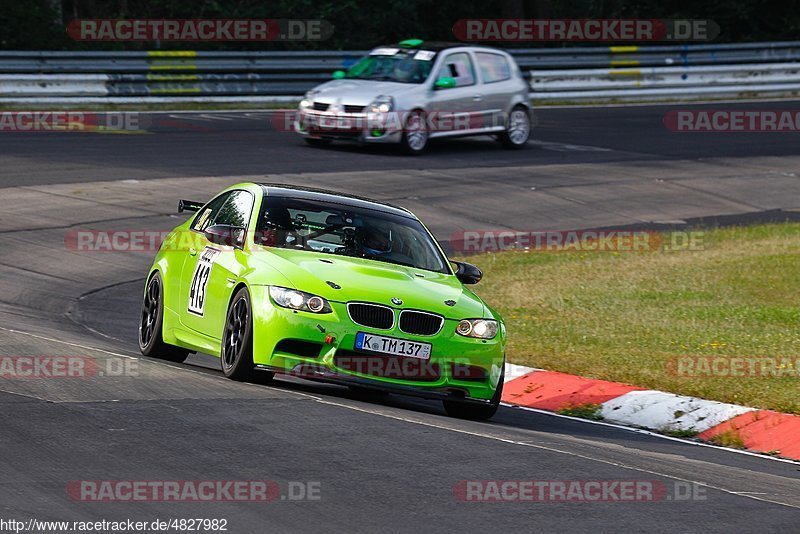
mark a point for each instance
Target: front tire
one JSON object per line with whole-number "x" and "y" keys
{"x": 236, "y": 355}
{"x": 151, "y": 324}
{"x": 477, "y": 412}
{"x": 518, "y": 129}
{"x": 415, "y": 134}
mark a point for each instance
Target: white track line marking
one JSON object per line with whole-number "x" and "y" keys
{"x": 559, "y": 451}
{"x": 749, "y": 495}
{"x": 508, "y": 405}
{"x": 78, "y": 345}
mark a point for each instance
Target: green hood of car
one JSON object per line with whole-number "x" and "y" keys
{"x": 371, "y": 281}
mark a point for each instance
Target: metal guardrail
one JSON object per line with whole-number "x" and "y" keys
{"x": 658, "y": 83}
{"x": 563, "y": 74}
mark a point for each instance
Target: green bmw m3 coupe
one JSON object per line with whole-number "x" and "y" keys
{"x": 324, "y": 286}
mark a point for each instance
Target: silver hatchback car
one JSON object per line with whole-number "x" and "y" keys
{"x": 415, "y": 91}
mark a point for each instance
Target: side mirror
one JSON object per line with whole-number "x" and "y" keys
{"x": 467, "y": 273}
{"x": 189, "y": 205}
{"x": 445, "y": 82}
{"x": 225, "y": 234}
{"x": 338, "y": 74}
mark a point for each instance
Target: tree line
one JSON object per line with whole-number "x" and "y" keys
{"x": 359, "y": 24}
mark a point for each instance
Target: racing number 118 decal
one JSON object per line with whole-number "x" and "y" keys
{"x": 202, "y": 271}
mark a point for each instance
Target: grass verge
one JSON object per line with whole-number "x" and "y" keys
{"x": 635, "y": 317}
{"x": 584, "y": 411}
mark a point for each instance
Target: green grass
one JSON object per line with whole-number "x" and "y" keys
{"x": 628, "y": 316}
{"x": 584, "y": 411}
{"x": 684, "y": 433}
{"x": 729, "y": 438}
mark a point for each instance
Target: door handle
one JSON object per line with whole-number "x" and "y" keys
{"x": 477, "y": 98}
{"x": 192, "y": 252}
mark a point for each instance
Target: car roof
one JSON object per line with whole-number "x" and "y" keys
{"x": 436, "y": 46}
{"x": 439, "y": 46}
{"x": 335, "y": 197}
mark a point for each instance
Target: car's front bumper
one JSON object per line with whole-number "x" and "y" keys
{"x": 358, "y": 127}
{"x": 321, "y": 347}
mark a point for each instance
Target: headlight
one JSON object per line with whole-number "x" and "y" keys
{"x": 382, "y": 104}
{"x": 308, "y": 100}
{"x": 480, "y": 328}
{"x": 298, "y": 300}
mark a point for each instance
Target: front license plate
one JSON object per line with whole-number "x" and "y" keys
{"x": 392, "y": 345}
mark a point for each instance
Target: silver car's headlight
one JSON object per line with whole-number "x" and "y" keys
{"x": 479, "y": 328}
{"x": 382, "y": 104}
{"x": 298, "y": 300}
{"x": 308, "y": 100}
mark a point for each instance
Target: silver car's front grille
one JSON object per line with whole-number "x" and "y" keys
{"x": 347, "y": 108}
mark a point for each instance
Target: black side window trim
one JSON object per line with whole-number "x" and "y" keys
{"x": 226, "y": 194}
{"x": 471, "y": 65}
{"x": 504, "y": 58}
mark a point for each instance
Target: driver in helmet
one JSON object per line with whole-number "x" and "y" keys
{"x": 375, "y": 242}
{"x": 405, "y": 71}
{"x": 276, "y": 227}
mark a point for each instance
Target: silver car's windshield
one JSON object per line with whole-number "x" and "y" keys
{"x": 394, "y": 65}
{"x": 331, "y": 228}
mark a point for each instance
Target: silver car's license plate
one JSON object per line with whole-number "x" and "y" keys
{"x": 392, "y": 345}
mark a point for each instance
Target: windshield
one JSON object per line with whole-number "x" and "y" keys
{"x": 337, "y": 229}
{"x": 394, "y": 65}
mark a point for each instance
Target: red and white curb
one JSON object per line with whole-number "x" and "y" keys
{"x": 757, "y": 430}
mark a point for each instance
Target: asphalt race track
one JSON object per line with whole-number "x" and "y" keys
{"x": 244, "y": 143}
{"x": 385, "y": 463}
